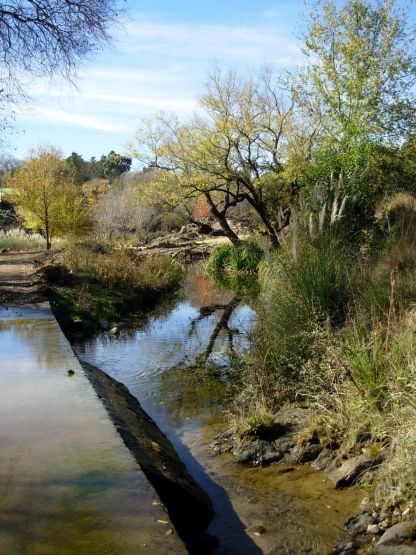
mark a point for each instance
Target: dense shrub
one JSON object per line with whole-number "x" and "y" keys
{"x": 236, "y": 259}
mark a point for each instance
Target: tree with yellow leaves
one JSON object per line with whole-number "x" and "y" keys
{"x": 47, "y": 195}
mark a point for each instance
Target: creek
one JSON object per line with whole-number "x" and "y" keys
{"x": 176, "y": 362}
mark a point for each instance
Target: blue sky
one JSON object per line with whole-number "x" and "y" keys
{"x": 159, "y": 60}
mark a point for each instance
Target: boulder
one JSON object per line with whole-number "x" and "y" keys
{"x": 304, "y": 452}
{"x": 348, "y": 548}
{"x": 351, "y": 469}
{"x": 394, "y": 550}
{"x": 325, "y": 460}
{"x": 359, "y": 524}
{"x": 258, "y": 452}
{"x": 399, "y": 533}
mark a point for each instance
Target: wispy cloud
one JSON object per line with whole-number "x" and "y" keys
{"x": 272, "y": 12}
{"x": 229, "y": 43}
{"x": 90, "y": 122}
{"x": 156, "y": 65}
{"x": 117, "y": 101}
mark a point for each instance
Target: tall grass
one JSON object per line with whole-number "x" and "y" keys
{"x": 302, "y": 301}
{"x": 106, "y": 285}
{"x": 18, "y": 240}
{"x": 117, "y": 269}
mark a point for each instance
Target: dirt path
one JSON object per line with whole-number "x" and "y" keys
{"x": 18, "y": 283}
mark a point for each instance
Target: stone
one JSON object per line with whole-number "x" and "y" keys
{"x": 114, "y": 331}
{"x": 223, "y": 443}
{"x": 259, "y": 530}
{"x": 384, "y": 524}
{"x": 351, "y": 469}
{"x": 325, "y": 459}
{"x": 304, "y": 452}
{"x": 71, "y": 372}
{"x": 393, "y": 550}
{"x": 398, "y": 533}
{"x": 373, "y": 529}
{"x": 348, "y": 548}
{"x": 259, "y": 452}
{"x": 359, "y": 524}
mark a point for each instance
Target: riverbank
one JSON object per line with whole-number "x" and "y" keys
{"x": 335, "y": 334}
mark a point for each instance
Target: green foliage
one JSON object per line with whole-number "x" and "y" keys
{"x": 47, "y": 196}
{"x": 360, "y": 72}
{"x": 114, "y": 164}
{"x": 235, "y": 259}
{"x": 319, "y": 277}
{"x": 77, "y": 165}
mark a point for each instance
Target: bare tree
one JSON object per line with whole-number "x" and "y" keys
{"x": 119, "y": 212}
{"x": 46, "y": 37}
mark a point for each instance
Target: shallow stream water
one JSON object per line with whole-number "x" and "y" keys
{"x": 68, "y": 485}
{"x": 175, "y": 362}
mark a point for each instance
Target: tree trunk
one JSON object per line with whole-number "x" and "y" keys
{"x": 222, "y": 220}
{"x": 47, "y": 236}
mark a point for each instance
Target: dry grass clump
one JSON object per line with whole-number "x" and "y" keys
{"x": 253, "y": 421}
{"x": 117, "y": 269}
{"x": 18, "y": 240}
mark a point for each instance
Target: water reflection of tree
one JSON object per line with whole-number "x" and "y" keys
{"x": 198, "y": 391}
{"x": 223, "y": 324}
{"x": 41, "y": 337}
{"x": 200, "y": 289}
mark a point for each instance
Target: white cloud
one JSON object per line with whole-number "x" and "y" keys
{"x": 82, "y": 120}
{"x": 136, "y": 75}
